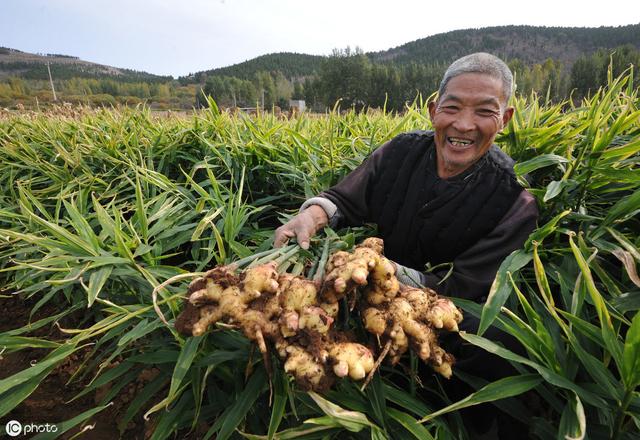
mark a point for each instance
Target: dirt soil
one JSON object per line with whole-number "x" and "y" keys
{"x": 50, "y": 402}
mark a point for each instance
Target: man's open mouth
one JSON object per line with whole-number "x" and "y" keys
{"x": 459, "y": 142}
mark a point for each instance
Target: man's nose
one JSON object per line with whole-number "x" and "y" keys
{"x": 464, "y": 121}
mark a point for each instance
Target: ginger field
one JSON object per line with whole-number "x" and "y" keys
{"x": 98, "y": 208}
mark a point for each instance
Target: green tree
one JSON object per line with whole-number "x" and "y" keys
{"x": 266, "y": 89}
{"x": 345, "y": 76}
{"x": 298, "y": 91}
{"x": 584, "y": 75}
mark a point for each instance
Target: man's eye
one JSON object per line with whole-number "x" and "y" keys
{"x": 449, "y": 108}
{"x": 486, "y": 112}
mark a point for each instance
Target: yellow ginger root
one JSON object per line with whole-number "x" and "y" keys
{"x": 208, "y": 288}
{"x": 296, "y": 292}
{"x": 408, "y": 320}
{"x": 300, "y": 310}
{"x": 402, "y": 316}
{"x": 227, "y": 298}
{"x": 445, "y": 368}
{"x": 316, "y": 319}
{"x": 260, "y": 279}
{"x": 351, "y": 359}
{"x": 384, "y": 285}
{"x": 444, "y": 314}
{"x": 346, "y": 271}
{"x": 232, "y": 305}
{"x": 290, "y": 313}
{"x": 309, "y": 372}
{"x": 284, "y": 310}
{"x": 323, "y": 358}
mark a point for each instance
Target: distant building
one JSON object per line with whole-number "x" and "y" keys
{"x": 298, "y": 104}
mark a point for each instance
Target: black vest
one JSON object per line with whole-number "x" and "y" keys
{"x": 423, "y": 218}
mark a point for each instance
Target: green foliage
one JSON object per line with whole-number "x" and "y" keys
{"x": 565, "y": 308}
{"x": 98, "y": 210}
{"x": 589, "y": 72}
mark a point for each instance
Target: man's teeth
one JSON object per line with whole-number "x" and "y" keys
{"x": 458, "y": 142}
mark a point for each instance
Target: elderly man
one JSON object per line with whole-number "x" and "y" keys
{"x": 441, "y": 198}
{"x": 446, "y": 199}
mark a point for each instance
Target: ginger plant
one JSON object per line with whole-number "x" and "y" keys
{"x": 296, "y": 316}
{"x": 278, "y": 309}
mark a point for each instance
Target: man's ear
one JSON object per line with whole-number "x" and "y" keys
{"x": 432, "y": 109}
{"x": 507, "y": 115}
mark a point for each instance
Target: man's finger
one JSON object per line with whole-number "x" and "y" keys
{"x": 303, "y": 239}
{"x": 282, "y": 237}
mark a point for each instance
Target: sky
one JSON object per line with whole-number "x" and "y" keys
{"x": 178, "y": 37}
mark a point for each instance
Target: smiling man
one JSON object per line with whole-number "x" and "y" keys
{"x": 447, "y": 198}
{"x": 466, "y": 119}
{"x": 448, "y": 206}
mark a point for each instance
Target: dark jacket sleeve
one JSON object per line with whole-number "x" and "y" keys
{"x": 352, "y": 193}
{"x": 475, "y": 269}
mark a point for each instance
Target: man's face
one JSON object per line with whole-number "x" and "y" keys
{"x": 466, "y": 120}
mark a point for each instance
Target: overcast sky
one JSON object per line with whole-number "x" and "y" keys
{"x": 177, "y": 37}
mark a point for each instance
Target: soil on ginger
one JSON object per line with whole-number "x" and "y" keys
{"x": 49, "y": 403}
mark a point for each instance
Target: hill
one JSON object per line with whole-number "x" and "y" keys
{"x": 531, "y": 44}
{"x": 291, "y": 65}
{"x": 26, "y": 65}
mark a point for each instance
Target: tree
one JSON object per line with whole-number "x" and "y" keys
{"x": 584, "y": 75}
{"x": 266, "y": 88}
{"x": 298, "y": 91}
{"x": 284, "y": 90}
{"x": 345, "y": 76}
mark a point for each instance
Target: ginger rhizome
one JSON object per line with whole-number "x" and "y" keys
{"x": 399, "y": 316}
{"x": 296, "y": 316}
{"x": 281, "y": 310}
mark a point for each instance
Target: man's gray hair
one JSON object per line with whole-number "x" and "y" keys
{"x": 480, "y": 62}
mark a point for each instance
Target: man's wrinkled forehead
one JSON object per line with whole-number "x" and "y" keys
{"x": 489, "y": 99}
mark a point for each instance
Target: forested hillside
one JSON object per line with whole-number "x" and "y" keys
{"x": 532, "y": 43}
{"x": 34, "y": 66}
{"x": 291, "y": 65}
{"x": 554, "y": 62}
{"x": 551, "y": 61}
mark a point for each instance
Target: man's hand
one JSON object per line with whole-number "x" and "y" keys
{"x": 303, "y": 226}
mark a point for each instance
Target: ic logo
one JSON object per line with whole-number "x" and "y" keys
{"x": 13, "y": 428}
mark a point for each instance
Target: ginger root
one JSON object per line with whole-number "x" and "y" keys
{"x": 281, "y": 310}
{"x": 365, "y": 266}
{"x": 405, "y": 317}
{"x": 409, "y": 320}
{"x": 296, "y": 317}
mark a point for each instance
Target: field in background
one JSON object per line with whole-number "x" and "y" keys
{"x": 98, "y": 207}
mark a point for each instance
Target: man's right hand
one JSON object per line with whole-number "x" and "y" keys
{"x": 303, "y": 226}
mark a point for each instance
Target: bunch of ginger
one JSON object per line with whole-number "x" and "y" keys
{"x": 295, "y": 315}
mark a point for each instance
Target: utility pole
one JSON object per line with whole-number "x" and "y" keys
{"x": 51, "y": 82}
